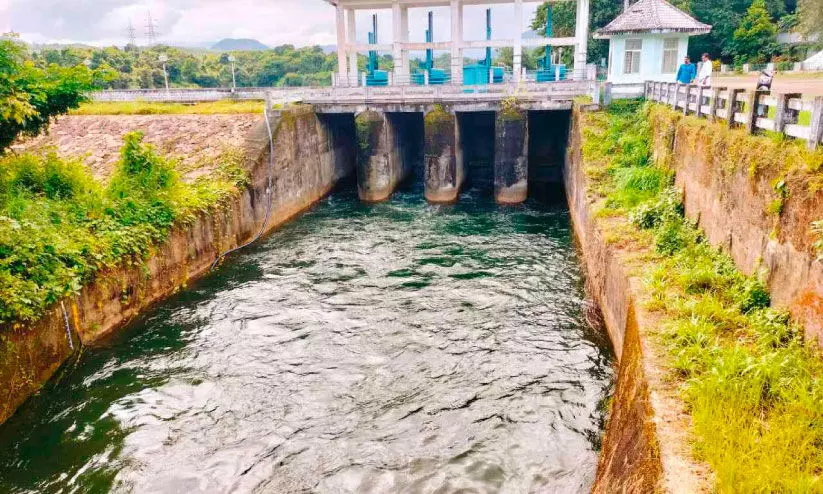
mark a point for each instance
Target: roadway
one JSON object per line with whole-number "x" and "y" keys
{"x": 811, "y": 85}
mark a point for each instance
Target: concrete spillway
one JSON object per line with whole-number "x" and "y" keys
{"x": 509, "y": 150}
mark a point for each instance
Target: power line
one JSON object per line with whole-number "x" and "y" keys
{"x": 151, "y": 30}
{"x": 131, "y": 33}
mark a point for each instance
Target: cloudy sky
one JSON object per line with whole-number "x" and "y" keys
{"x": 195, "y": 22}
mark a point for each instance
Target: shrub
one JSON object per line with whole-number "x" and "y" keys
{"x": 59, "y": 227}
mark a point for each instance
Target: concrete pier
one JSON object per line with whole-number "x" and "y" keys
{"x": 511, "y": 156}
{"x": 388, "y": 146}
{"x": 443, "y": 159}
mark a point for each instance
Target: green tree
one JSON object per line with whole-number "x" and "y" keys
{"x": 564, "y": 18}
{"x": 31, "y": 96}
{"x": 755, "y": 39}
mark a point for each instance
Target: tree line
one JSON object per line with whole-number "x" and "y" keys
{"x": 743, "y": 31}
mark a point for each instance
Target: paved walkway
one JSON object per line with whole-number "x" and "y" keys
{"x": 807, "y": 85}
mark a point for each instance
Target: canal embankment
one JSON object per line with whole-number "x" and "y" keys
{"x": 760, "y": 198}
{"x": 718, "y": 389}
{"x": 310, "y": 155}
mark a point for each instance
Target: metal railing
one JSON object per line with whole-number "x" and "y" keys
{"x": 357, "y": 94}
{"x": 794, "y": 115}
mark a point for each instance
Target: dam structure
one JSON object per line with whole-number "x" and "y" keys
{"x": 423, "y": 118}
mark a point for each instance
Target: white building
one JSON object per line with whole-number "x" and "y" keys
{"x": 649, "y": 41}
{"x": 815, "y": 62}
{"x": 400, "y": 46}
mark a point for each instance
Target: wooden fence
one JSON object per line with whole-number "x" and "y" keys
{"x": 789, "y": 113}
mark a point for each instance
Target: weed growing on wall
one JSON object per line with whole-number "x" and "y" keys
{"x": 751, "y": 384}
{"x": 59, "y": 227}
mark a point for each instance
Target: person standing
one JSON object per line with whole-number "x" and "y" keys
{"x": 687, "y": 72}
{"x": 704, "y": 78}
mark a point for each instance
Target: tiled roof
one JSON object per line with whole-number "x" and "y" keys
{"x": 653, "y": 16}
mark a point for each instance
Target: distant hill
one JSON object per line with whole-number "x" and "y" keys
{"x": 229, "y": 44}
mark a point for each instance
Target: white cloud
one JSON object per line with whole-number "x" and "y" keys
{"x": 274, "y": 22}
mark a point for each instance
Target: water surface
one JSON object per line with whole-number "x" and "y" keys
{"x": 399, "y": 347}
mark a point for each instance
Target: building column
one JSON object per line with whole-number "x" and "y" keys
{"x": 581, "y": 48}
{"x": 457, "y": 41}
{"x": 517, "y": 58}
{"x": 342, "y": 68}
{"x": 397, "y": 38}
{"x": 351, "y": 37}
{"x": 404, "y": 38}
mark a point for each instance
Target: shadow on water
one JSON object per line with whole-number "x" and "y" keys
{"x": 361, "y": 348}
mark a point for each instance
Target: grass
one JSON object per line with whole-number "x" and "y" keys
{"x": 147, "y": 108}
{"x": 750, "y": 383}
{"x": 804, "y": 118}
{"x": 59, "y": 227}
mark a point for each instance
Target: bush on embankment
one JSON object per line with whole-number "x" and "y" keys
{"x": 750, "y": 383}
{"x": 59, "y": 227}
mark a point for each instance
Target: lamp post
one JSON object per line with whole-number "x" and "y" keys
{"x": 233, "y": 78}
{"x": 163, "y": 59}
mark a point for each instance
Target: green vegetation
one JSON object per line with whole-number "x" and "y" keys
{"x": 726, "y": 17}
{"x": 756, "y": 36}
{"x": 752, "y": 386}
{"x": 30, "y": 96}
{"x": 59, "y": 227}
{"x": 133, "y": 68}
{"x": 147, "y": 108}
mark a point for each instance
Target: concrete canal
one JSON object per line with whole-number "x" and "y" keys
{"x": 396, "y": 347}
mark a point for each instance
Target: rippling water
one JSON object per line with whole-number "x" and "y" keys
{"x": 398, "y": 347}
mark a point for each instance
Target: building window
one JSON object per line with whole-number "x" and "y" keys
{"x": 670, "y": 52}
{"x": 631, "y": 64}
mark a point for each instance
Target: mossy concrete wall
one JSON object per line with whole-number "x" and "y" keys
{"x": 387, "y": 150}
{"x": 752, "y": 203}
{"x": 443, "y": 159}
{"x": 511, "y": 156}
{"x": 645, "y": 448}
{"x": 311, "y": 155}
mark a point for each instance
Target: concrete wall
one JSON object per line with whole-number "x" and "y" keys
{"x": 734, "y": 209}
{"x": 646, "y": 446}
{"x": 311, "y": 155}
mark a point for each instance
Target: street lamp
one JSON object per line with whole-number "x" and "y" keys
{"x": 233, "y": 78}
{"x": 163, "y": 59}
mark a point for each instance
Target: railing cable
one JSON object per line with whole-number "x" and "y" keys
{"x": 269, "y": 193}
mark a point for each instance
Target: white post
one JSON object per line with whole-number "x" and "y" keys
{"x": 517, "y": 58}
{"x": 582, "y": 37}
{"x": 351, "y": 38}
{"x": 457, "y": 41}
{"x": 404, "y": 37}
{"x": 341, "y": 44}
{"x": 397, "y": 49}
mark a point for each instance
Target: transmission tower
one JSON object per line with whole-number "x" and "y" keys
{"x": 151, "y": 30}
{"x": 131, "y": 34}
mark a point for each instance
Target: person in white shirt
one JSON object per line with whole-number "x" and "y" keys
{"x": 704, "y": 78}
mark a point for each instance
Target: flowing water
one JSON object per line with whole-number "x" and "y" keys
{"x": 398, "y": 347}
